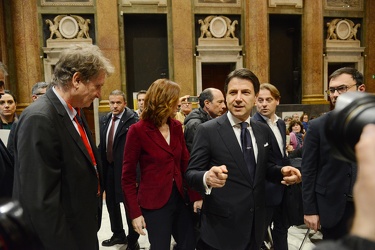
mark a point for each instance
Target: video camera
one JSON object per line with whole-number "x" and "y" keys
{"x": 343, "y": 129}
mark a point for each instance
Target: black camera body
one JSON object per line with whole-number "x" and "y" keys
{"x": 343, "y": 129}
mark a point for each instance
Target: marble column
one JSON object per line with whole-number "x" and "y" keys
{"x": 256, "y": 41}
{"x": 108, "y": 41}
{"x": 312, "y": 50}
{"x": 370, "y": 50}
{"x": 182, "y": 26}
{"x": 27, "y": 61}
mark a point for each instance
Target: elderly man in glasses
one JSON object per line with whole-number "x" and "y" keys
{"x": 327, "y": 183}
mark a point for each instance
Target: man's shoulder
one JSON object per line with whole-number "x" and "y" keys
{"x": 257, "y": 117}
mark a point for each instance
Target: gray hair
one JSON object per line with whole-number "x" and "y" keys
{"x": 118, "y": 92}
{"x": 85, "y": 59}
{"x": 37, "y": 86}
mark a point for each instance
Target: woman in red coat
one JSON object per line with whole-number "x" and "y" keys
{"x": 157, "y": 143}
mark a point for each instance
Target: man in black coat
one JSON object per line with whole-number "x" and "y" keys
{"x": 327, "y": 187}
{"x": 234, "y": 188}
{"x": 267, "y": 100}
{"x": 58, "y": 172}
{"x": 119, "y": 119}
{"x": 211, "y": 105}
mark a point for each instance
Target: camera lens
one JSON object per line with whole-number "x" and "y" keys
{"x": 352, "y": 112}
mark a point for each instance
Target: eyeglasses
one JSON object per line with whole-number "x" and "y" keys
{"x": 340, "y": 89}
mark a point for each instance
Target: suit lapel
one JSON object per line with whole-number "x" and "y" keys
{"x": 155, "y": 135}
{"x": 226, "y": 132}
{"x": 282, "y": 128}
{"x": 65, "y": 119}
{"x": 261, "y": 142}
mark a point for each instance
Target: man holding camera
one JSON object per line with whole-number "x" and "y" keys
{"x": 327, "y": 183}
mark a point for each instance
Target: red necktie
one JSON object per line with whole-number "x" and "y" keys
{"x": 83, "y": 135}
{"x": 110, "y": 140}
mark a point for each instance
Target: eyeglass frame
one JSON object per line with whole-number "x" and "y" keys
{"x": 340, "y": 89}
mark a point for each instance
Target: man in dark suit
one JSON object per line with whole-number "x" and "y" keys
{"x": 57, "y": 165}
{"x": 120, "y": 119}
{"x": 267, "y": 100}
{"x": 327, "y": 187}
{"x": 233, "y": 185}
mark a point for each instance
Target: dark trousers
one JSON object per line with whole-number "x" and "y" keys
{"x": 174, "y": 219}
{"x": 342, "y": 227}
{"x": 280, "y": 230}
{"x": 114, "y": 211}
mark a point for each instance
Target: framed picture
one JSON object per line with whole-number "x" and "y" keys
{"x": 218, "y": 3}
{"x": 347, "y": 5}
{"x": 67, "y": 2}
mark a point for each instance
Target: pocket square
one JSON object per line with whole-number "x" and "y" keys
{"x": 265, "y": 145}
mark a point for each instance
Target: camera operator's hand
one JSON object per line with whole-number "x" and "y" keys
{"x": 364, "y": 188}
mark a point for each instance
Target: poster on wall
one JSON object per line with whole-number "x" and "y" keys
{"x": 66, "y": 2}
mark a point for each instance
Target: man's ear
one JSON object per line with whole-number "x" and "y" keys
{"x": 362, "y": 88}
{"x": 76, "y": 79}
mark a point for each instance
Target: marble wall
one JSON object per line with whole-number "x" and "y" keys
{"x": 22, "y": 30}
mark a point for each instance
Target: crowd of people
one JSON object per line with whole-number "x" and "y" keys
{"x": 218, "y": 179}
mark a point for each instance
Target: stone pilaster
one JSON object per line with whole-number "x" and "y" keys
{"x": 27, "y": 51}
{"x": 256, "y": 41}
{"x": 108, "y": 41}
{"x": 370, "y": 49}
{"x": 182, "y": 48}
{"x": 312, "y": 48}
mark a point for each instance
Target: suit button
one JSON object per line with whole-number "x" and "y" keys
{"x": 252, "y": 210}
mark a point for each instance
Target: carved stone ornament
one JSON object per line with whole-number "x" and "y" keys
{"x": 217, "y": 27}
{"x": 342, "y": 29}
{"x": 68, "y": 27}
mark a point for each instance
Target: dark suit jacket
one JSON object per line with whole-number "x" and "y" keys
{"x": 6, "y": 172}
{"x": 160, "y": 165}
{"x": 325, "y": 179}
{"x": 275, "y": 191}
{"x": 55, "y": 180}
{"x": 127, "y": 119}
{"x": 231, "y": 213}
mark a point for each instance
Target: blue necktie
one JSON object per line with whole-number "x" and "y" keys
{"x": 247, "y": 149}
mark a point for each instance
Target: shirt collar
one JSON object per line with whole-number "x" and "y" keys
{"x": 268, "y": 120}
{"x": 120, "y": 115}
{"x": 234, "y": 121}
{"x": 71, "y": 112}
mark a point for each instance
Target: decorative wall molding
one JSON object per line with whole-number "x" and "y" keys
{"x": 67, "y": 3}
{"x": 296, "y": 3}
{"x": 218, "y": 3}
{"x": 346, "y": 5}
{"x": 144, "y": 2}
{"x": 217, "y": 44}
{"x": 217, "y": 27}
{"x": 342, "y": 29}
{"x": 342, "y": 51}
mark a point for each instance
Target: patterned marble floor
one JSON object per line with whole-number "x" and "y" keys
{"x": 295, "y": 236}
